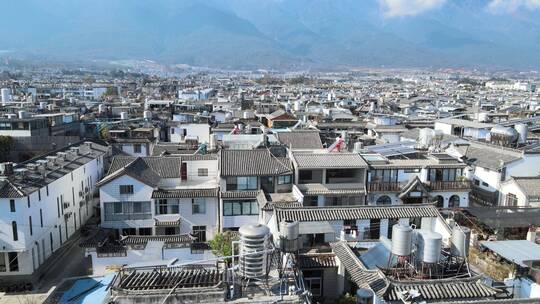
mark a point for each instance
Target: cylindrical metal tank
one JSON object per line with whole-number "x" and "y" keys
{"x": 289, "y": 236}
{"x": 483, "y": 117}
{"x": 102, "y": 108}
{"x": 461, "y": 237}
{"x": 429, "y": 246}
{"x": 6, "y": 95}
{"x": 253, "y": 243}
{"x": 358, "y": 146}
{"x": 290, "y": 229}
{"x": 228, "y": 116}
{"x": 297, "y": 105}
{"x": 147, "y": 115}
{"x": 509, "y": 134}
{"x": 23, "y": 114}
{"x": 123, "y": 115}
{"x": 401, "y": 240}
{"x": 523, "y": 131}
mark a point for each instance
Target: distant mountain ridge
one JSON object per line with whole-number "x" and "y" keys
{"x": 272, "y": 33}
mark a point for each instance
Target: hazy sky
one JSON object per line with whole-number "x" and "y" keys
{"x": 267, "y": 33}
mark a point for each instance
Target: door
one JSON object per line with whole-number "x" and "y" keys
{"x": 267, "y": 184}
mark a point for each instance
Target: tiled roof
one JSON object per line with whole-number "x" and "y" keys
{"x": 300, "y": 139}
{"x": 329, "y": 160}
{"x": 307, "y": 214}
{"x": 18, "y": 185}
{"x": 331, "y": 189}
{"x": 164, "y": 167}
{"x": 374, "y": 280}
{"x": 489, "y": 156}
{"x": 445, "y": 289}
{"x": 529, "y": 185}
{"x": 239, "y": 194}
{"x": 185, "y": 193}
{"x": 307, "y": 261}
{"x": 167, "y": 239}
{"x": 258, "y": 162}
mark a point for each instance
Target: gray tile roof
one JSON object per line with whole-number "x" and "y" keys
{"x": 529, "y": 185}
{"x": 185, "y": 193}
{"x": 329, "y": 160}
{"x": 332, "y": 189}
{"x": 168, "y": 239}
{"x": 300, "y": 139}
{"x": 239, "y": 194}
{"x": 373, "y": 280}
{"x": 489, "y": 156}
{"x": 306, "y": 214}
{"x": 17, "y": 185}
{"x": 306, "y": 261}
{"x": 445, "y": 289}
{"x": 258, "y": 162}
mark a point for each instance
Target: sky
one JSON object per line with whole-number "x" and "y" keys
{"x": 279, "y": 33}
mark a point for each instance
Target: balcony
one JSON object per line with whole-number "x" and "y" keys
{"x": 384, "y": 187}
{"x": 449, "y": 185}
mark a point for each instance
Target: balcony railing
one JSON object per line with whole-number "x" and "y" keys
{"x": 449, "y": 185}
{"x": 384, "y": 186}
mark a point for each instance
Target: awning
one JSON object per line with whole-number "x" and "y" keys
{"x": 316, "y": 227}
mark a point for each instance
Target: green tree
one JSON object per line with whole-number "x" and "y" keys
{"x": 221, "y": 244}
{"x": 6, "y": 144}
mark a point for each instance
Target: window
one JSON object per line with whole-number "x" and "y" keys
{"x": 137, "y": 148}
{"x": 12, "y": 205}
{"x": 126, "y": 189}
{"x": 183, "y": 171}
{"x": 52, "y": 242}
{"x": 13, "y": 259}
{"x": 453, "y": 202}
{"x": 199, "y": 232}
{"x": 117, "y": 208}
{"x": 476, "y": 182}
{"x": 439, "y": 201}
{"x": 314, "y": 284}
{"x": 284, "y": 179}
{"x": 305, "y": 175}
{"x": 240, "y": 208}
{"x": 198, "y": 206}
{"x": 14, "y": 229}
{"x": 511, "y": 200}
{"x": 129, "y": 231}
{"x": 202, "y": 172}
{"x": 137, "y": 207}
{"x": 47, "y": 188}
{"x": 242, "y": 183}
{"x": 3, "y": 262}
{"x": 28, "y": 201}
{"x": 30, "y": 225}
{"x": 145, "y": 231}
{"x": 384, "y": 200}
{"x": 58, "y": 206}
{"x": 485, "y": 184}
{"x": 39, "y": 195}
{"x": 161, "y": 206}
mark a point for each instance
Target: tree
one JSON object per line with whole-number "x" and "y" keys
{"x": 221, "y": 244}
{"x": 6, "y": 144}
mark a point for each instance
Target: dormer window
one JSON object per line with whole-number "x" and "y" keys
{"x": 126, "y": 189}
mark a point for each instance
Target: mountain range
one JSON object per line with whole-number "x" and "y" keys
{"x": 289, "y": 34}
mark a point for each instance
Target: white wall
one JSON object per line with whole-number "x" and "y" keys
{"x": 64, "y": 189}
